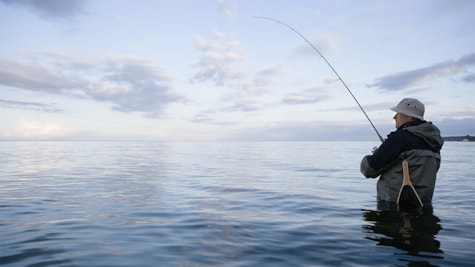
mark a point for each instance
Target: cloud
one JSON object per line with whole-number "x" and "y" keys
{"x": 243, "y": 99}
{"x": 274, "y": 70}
{"x": 457, "y": 127}
{"x": 295, "y": 99}
{"x": 308, "y": 131}
{"x": 33, "y": 76}
{"x": 257, "y": 85}
{"x": 458, "y": 114}
{"x": 226, "y": 8}
{"x": 325, "y": 43}
{"x": 238, "y": 105}
{"x": 130, "y": 84}
{"x": 207, "y": 118}
{"x": 245, "y": 105}
{"x": 327, "y": 131}
{"x": 48, "y": 108}
{"x": 216, "y": 55}
{"x": 450, "y": 10}
{"x": 411, "y": 78}
{"x": 470, "y": 78}
{"x": 51, "y": 9}
{"x": 202, "y": 117}
{"x": 308, "y": 96}
{"x": 28, "y": 129}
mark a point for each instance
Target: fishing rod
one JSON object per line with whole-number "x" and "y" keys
{"x": 331, "y": 67}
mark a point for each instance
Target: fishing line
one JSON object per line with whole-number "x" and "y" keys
{"x": 331, "y": 67}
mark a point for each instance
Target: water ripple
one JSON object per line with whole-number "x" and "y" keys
{"x": 219, "y": 204}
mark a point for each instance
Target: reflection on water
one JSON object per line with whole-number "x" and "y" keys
{"x": 414, "y": 233}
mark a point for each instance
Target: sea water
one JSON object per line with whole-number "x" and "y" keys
{"x": 222, "y": 204}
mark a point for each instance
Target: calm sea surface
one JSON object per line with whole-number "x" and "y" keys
{"x": 222, "y": 204}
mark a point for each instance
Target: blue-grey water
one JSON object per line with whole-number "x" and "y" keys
{"x": 222, "y": 204}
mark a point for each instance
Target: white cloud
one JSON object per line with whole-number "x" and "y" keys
{"x": 227, "y": 8}
{"x": 325, "y": 43}
{"x": 29, "y": 129}
{"x": 33, "y": 76}
{"x": 129, "y": 83}
{"x": 309, "y": 96}
{"x": 112, "y": 89}
{"x": 217, "y": 54}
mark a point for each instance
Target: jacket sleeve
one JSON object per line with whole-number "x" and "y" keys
{"x": 366, "y": 169}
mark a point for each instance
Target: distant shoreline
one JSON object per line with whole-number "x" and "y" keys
{"x": 465, "y": 138}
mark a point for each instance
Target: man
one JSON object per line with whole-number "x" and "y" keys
{"x": 415, "y": 140}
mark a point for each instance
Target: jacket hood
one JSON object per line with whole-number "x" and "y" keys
{"x": 429, "y": 133}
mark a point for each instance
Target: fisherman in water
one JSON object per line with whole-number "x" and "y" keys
{"x": 415, "y": 140}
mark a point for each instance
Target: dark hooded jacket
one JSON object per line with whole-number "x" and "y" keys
{"x": 418, "y": 142}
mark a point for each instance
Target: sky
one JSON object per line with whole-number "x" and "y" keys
{"x": 212, "y": 70}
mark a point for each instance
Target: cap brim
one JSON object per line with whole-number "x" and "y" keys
{"x": 395, "y": 109}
